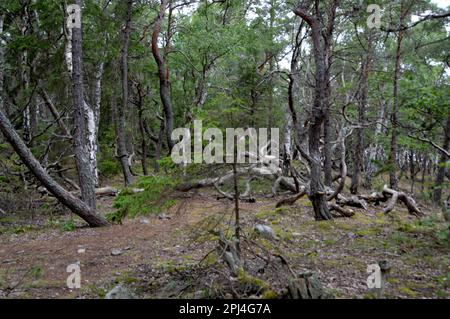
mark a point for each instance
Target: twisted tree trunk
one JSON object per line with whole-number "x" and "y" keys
{"x": 164, "y": 89}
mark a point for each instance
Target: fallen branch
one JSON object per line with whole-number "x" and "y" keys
{"x": 291, "y": 200}
{"x": 407, "y": 200}
{"x": 341, "y": 211}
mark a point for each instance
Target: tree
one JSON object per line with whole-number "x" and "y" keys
{"x": 163, "y": 72}
{"x": 320, "y": 107}
{"x": 77, "y": 206}
{"x": 85, "y": 171}
{"x": 123, "y": 155}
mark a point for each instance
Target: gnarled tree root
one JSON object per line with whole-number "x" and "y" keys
{"x": 409, "y": 202}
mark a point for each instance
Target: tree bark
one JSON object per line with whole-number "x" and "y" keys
{"x": 317, "y": 193}
{"x": 393, "y": 179}
{"x": 359, "y": 145}
{"x": 85, "y": 172}
{"x": 164, "y": 86}
{"x": 77, "y": 206}
{"x": 437, "y": 194}
{"x": 122, "y": 152}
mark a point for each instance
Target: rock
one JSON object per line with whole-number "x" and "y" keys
{"x": 265, "y": 231}
{"x": 164, "y": 217}
{"x": 352, "y": 235}
{"x": 81, "y": 251}
{"x": 119, "y": 292}
{"x": 145, "y": 221}
{"x": 198, "y": 294}
{"x": 116, "y": 252}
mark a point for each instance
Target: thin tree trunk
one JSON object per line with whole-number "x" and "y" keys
{"x": 2, "y": 17}
{"x": 393, "y": 179}
{"x": 121, "y": 134}
{"x": 359, "y": 147}
{"x": 55, "y": 112}
{"x": 85, "y": 172}
{"x": 142, "y": 132}
{"x": 164, "y": 87}
{"x": 437, "y": 194}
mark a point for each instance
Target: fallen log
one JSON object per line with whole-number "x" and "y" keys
{"x": 110, "y": 191}
{"x": 291, "y": 200}
{"x": 341, "y": 211}
{"x": 352, "y": 201}
{"x": 409, "y": 202}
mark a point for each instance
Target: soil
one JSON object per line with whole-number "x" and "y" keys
{"x": 33, "y": 262}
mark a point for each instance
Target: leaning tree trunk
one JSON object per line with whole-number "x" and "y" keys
{"x": 67, "y": 199}
{"x": 85, "y": 172}
{"x": 164, "y": 89}
{"x": 122, "y": 152}
{"x": 74, "y": 204}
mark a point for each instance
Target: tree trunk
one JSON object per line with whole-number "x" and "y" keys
{"x": 85, "y": 172}
{"x": 437, "y": 194}
{"x": 74, "y": 204}
{"x": 2, "y": 17}
{"x": 359, "y": 147}
{"x": 122, "y": 152}
{"x": 164, "y": 88}
{"x": 393, "y": 179}
{"x": 317, "y": 193}
{"x": 142, "y": 133}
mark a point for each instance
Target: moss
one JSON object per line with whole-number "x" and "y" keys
{"x": 252, "y": 281}
{"x": 269, "y": 294}
{"x": 368, "y": 232}
{"x": 95, "y": 291}
{"x": 211, "y": 259}
{"x": 126, "y": 278}
{"x": 324, "y": 226}
{"x": 408, "y": 291}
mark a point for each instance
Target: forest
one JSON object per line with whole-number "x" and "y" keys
{"x": 224, "y": 149}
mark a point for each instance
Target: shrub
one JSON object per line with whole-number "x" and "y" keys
{"x": 152, "y": 200}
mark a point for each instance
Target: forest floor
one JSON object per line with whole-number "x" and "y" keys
{"x": 169, "y": 256}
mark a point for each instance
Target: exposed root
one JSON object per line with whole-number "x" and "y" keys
{"x": 338, "y": 211}
{"x": 409, "y": 202}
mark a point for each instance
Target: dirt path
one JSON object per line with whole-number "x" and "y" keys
{"x": 33, "y": 264}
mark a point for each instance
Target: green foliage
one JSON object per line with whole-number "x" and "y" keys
{"x": 153, "y": 200}
{"x": 109, "y": 167}
{"x": 68, "y": 226}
